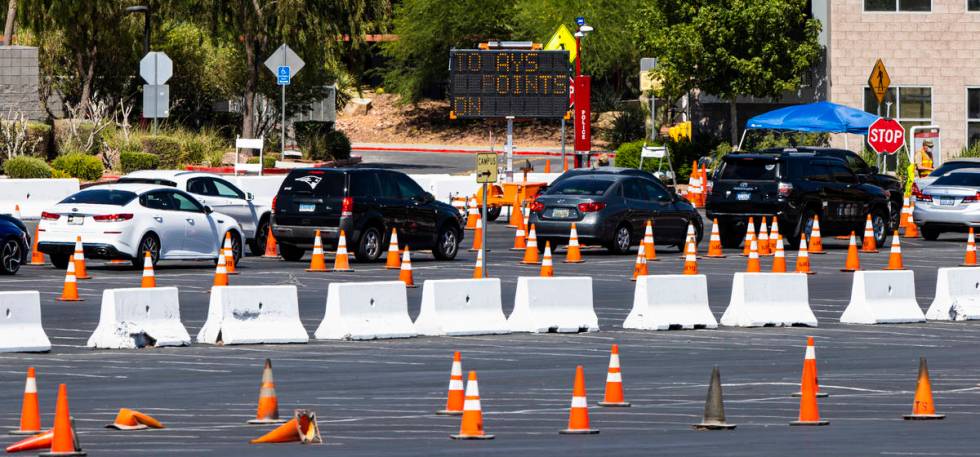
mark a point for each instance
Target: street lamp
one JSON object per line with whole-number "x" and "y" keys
{"x": 145, "y": 11}
{"x": 583, "y": 30}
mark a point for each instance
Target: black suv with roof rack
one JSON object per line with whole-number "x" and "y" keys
{"x": 795, "y": 186}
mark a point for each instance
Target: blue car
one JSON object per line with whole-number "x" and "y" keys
{"x": 15, "y": 244}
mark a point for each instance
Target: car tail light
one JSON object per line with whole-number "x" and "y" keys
{"x": 347, "y": 206}
{"x": 785, "y": 189}
{"x": 591, "y": 207}
{"x": 274, "y": 203}
{"x": 915, "y": 190}
{"x": 50, "y": 216}
{"x": 972, "y": 198}
{"x": 536, "y": 206}
{"x": 113, "y": 217}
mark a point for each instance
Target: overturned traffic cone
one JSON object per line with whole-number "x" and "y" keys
{"x": 229, "y": 255}
{"x": 149, "y": 277}
{"x": 130, "y": 419}
{"x": 852, "y": 263}
{"x": 64, "y": 442}
{"x": 472, "y": 213}
{"x": 393, "y": 260}
{"x": 763, "y": 240}
{"x": 30, "y": 415}
{"x": 318, "y": 262}
{"x": 341, "y": 261}
{"x": 868, "y": 244}
{"x": 405, "y": 274}
{"x": 753, "y": 265}
{"x": 809, "y": 412}
{"x": 471, "y": 427}
{"x": 271, "y": 251}
{"x": 970, "y": 259}
{"x": 714, "y": 243}
{"x": 714, "y": 409}
{"x": 640, "y": 267}
{"x": 531, "y": 252}
{"x": 911, "y": 230}
{"x": 78, "y": 258}
{"x": 690, "y": 259}
{"x": 895, "y": 256}
{"x": 220, "y": 273}
{"x": 302, "y": 427}
{"x": 268, "y": 409}
{"x": 478, "y": 268}
{"x": 922, "y": 407}
{"x": 810, "y": 365}
{"x": 456, "y": 397}
{"x": 749, "y": 236}
{"x": 477, "y": 235}
{"x": 70, "y": 291}
{"x": 649, "y": 249}
{"x": 38, "y": 441}
{"x": 37, "y": 257}
{"x": 816, "y": 242}
{"x": 573, "y": 253}
{"x": 520, "y": 240}
{"x": 614, "y": 382}
{"x": 779, "y": 256}
{"x": 547, "y": 267}
{"x": 578, "y": 414}
{"x": 773, "y": 234}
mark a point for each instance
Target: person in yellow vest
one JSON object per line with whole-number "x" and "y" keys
{"x": 923, "y": 159}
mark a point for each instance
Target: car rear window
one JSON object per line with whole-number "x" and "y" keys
{"x": 959, "y": 179}
{"x": 322, "y": 183}
{"x": 945, "y": 168}
{"x": 581, "y": 186}
{"x": 101, "y": 197}
{"x": 749, "y": 169}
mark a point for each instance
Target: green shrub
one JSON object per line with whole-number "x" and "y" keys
{"x": 166, "y": 148}
{"x": 628, "y": 156}
{"x": 268, "y": 159}
{"x": 24, "y": 167}
{"x": 972, "y": 151}
{"x": 627, "y": 125}
{"x": 65, "y": 143}
{"x": 215, "y": 158}
{"x": 135, "y": 161}
{"x": 59, "y": 174}
{"x": 338, "y": 145}
{"x": 41, "y": 133}
{"x": 81, "y": 166}
{"x": 320, "y": 142}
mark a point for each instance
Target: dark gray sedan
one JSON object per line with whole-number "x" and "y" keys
{"x": 611, "y": 210}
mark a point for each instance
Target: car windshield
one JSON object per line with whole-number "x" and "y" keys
{"x": 959, "y": 179}
{"x": 749, "y": 169}
{"x": 101, "y": 197}
{"x": 580, "y": 186}
{"x": 945, "y": 168}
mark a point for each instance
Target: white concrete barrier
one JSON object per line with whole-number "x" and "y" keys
{"x": 957, "y": 295}
{"x": 20, "y": 322}
{"x": 34, "y": 195}
{"x": 253, "y": 315}
{"x": 557, "y": 304}
{"x": 366, "y": 311}
{"x": 882, "y": 297}
{"x": 137, "y": 317}
{"x": 769, "y": 299}
{"x": 662, "y": 302}
{"x": 461, "y": 307}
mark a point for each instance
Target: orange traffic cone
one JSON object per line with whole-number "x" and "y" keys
{"x": 648, "y": 247}
{"x": 341, "y": 261}
{"x": 691, "y": 236}
{"x": 405, "y": 274}
{"x": 130, "y": 419}
{"x": 531, "y": 252}
{"x": 578, "y": 414}
{"x": 564, "y": 165}
{"x": 64, "y": 442}
{"x": 868, "y": 243}
{"x": 763, "y": 240}
{"x": 749, "y": 236}
{"x": 895, "y": 257}
{"x": 472, "y": 214}
{"x": 809, "y": 413}
{"x": 229, "y": 255}
{"x": 38, "y": 441}
{"x": 547, "y": 165}
{"x": 78, "y": 258}
{"x": 911, "y": 230}
{"x": 714, "y": 244}
{"x": 573, "y": 253}
{"x": 318, "y": 262}
{"x": 970, "y": 259}
{"x": 810, "y": 363}
{"x": 393, "y": 260}
{"x": 302, "y": 427}
{"x": 690, "y": 259}
{"x": 773, "y": 232}
{"x": 640, "y": 267}
{"x": 456, "y": 397}
{"x": 816, "y": 242}
{"x": 220, "y": 273}
{"x": 477, "y": 235}
{"x": 149, "y": 277}
{"x": 614, "y": 382}
{"x": 268, "y": 410}
{"x": 803, "y": 257}
{"x": 547, "y": 268}
{"x": 478, "y": 268}
{"x": 271, "y": 251}
{"x": 70, "y": 292}
{"x": 30, "y": 415}
{"x": 922, "y": 407}
{"x": 903, "y": 221}
{"x": 852, "y": 263}
{"x": 753, "y": 265}
{"x": 520, "y": 240}
{"x": 779, "y": 257}
{"x": 37, "y": 257}
{"x": 471, "y": 427}
{"x": 516, "y": 216}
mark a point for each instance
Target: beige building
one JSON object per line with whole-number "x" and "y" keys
{"x": 931, "y": 49}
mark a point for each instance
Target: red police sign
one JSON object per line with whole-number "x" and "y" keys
{"x": 886, "y": 136}
{"x": 583, "y": 114}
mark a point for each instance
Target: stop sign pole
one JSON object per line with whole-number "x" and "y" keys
{"x": 886, "y": 136}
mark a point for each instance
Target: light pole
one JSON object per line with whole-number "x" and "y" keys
{"x": 145, "y": 11}
{"x": 583, "y": 29}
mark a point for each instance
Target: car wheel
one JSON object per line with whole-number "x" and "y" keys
{"x": 151, "y": 243}
{"x": 493, "y": 213}
{"x": 894, "y": 214}
{"x": 879, "y": 224}
{"x": 237, "y": 247}
{"x": 930, "y": 233}
{"x": 622, "y": 240}
{"x": 447, "y": 243}
{"x": 257, "y": 246}
{"x": 291, "y": 253}
{"x": 369, "y": 247}
{"x": 60, "y": 261}
{"x": 11, "y": 256}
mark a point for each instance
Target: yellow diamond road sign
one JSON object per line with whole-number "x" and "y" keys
{"x": 879, "y": 81}
{"x": 562, "y": 40}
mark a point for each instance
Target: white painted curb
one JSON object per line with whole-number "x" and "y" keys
{"x": 461, "y": 307}
{"x": 957, "y": 295}
{"x": 137, "y": 317}
{"x": 366, "y": 311}
{"x": 253, "y": 315}
{"x": 20, "y": 322}
{"x": 883, "y": 297}
{"x": 556, "y": 304}
{"x": 662, "y": 302}
{"x": 769, "y": 299}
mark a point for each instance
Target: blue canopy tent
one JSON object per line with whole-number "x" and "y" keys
{"x": 819, "y": 117}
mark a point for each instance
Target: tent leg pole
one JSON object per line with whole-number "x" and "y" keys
{"x": 740, "y": 142}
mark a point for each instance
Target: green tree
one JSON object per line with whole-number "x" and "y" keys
{"x": 729, "y": 48}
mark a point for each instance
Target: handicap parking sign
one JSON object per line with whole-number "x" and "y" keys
{"x": 282, "y": 73}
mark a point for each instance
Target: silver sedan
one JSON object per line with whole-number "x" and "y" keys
{"x": 950, "y": 204}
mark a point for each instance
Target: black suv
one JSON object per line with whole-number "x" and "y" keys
{"x": 794, "y": 186}
{"x": 366, "y": 203}
{"x": 864, "y": 172}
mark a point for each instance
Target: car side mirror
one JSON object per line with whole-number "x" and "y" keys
{"x": 424, "y": 198}
{"x": 875, "y": 170}
{"x": 207, "y": 209}
{"x": 249, "y": 196}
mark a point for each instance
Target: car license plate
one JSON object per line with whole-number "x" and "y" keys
{"x": 307, "y": 207}
{"x": 947, "y": 201}
{"x": 76, "y": 220}
{"x": 743, "y": 196}
{"x": 561, "y": 213}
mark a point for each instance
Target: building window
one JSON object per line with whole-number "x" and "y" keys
{"x": 900, "y": 5}
{"x": 911, "y": 106}
{"x": 973, "y": 5}
{"x": 972, "y": 116}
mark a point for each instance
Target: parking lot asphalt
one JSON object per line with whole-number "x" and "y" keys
{"x": 378, "y": 397}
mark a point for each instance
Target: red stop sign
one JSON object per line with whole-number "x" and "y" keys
{"x": 886, "y": 136}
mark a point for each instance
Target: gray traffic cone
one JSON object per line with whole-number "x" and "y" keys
{"x": 714, "y": 410}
